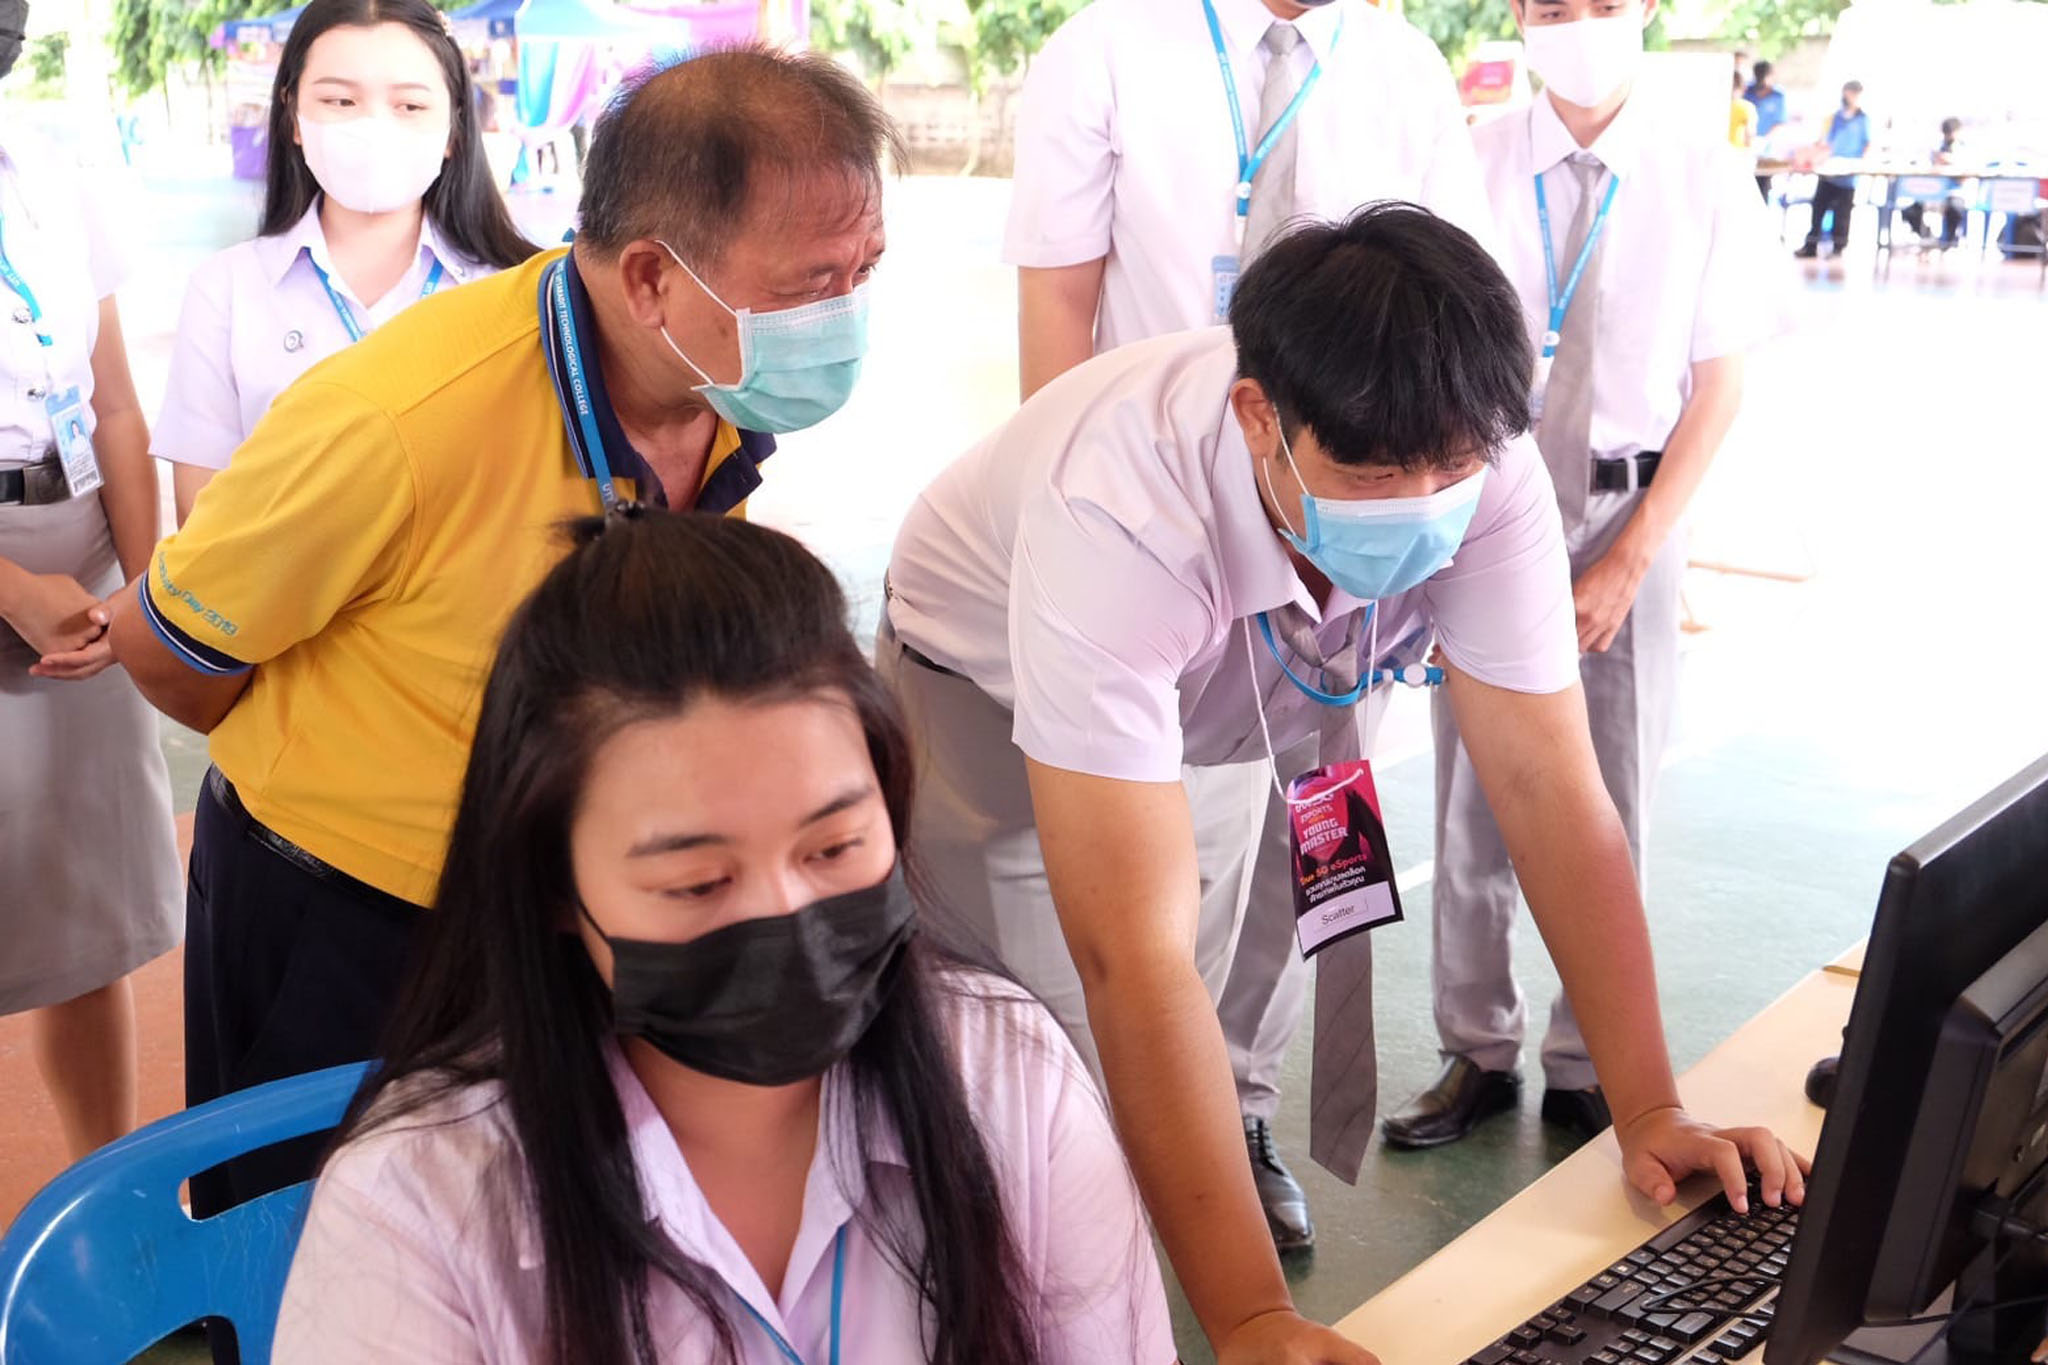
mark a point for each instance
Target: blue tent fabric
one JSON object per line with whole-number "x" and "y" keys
{"x": 577, "y": 19}
{"x": 497, "y": 15}
{"x": 279, "y": 25}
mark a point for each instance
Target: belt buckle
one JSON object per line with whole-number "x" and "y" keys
{"x": 44, "y": 484}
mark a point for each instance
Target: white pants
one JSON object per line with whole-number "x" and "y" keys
{"x": 1631, "y": 692}
{"x": 974, "y": 842}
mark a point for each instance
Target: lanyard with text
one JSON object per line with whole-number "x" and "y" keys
{"x": 1249, "y": 159}
{"x": 838, "y": 1297}
{"x": 348, "y": 314}
{"x": 15, "y": 282}
{"x": 1561, "y": 297}
{"x": 66, "y": 409}
{"x": 572, "y": 382}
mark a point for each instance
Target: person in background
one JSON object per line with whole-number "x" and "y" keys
{"x": 675, "y": 1076}
{"x": 1135, "y": 209}
{"x": 378, "y": 195}
{"x": 1742, "y": 119}
{"x": 1638, "y": 391}
{"x": 1770, "y": 112}
{"x": 327, "y": 615}
{"x": 1834, "y": 198}
{"x": 1954, "y": 211}
{"x": 89, "y": 883}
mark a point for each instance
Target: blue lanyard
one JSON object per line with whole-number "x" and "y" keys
{"x": 838, "y": 1297}
{"x": 1561, "y": 300}
{"x": 565, "y": 356}
{"x": 14, "y": 281}
{"x": 1414, "y": 675}
{"x": 348, "y": 314}
{"x": 1248, "y": 160}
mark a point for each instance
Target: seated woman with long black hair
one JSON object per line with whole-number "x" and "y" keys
{"x": 675, "y": 1078}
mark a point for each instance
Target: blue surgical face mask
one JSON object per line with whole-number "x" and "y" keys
{"x": 1374, "y": 548}
{"x": 797, "y": 366}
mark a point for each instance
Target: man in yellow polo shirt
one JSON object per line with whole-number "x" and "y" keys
{"x": 328, "y": 613}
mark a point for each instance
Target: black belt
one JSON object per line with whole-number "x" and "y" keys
{"x": 1626, "y": 474}
{"x": 930, "y": 664}
{"x": 36, "y": 485}
{"x": 223, "y": 791}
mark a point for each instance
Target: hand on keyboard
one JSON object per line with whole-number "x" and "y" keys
{"x": 1287, "y": 1338}
{"x": 1664, "y": 1146}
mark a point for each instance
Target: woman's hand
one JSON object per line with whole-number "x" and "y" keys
{"x": 53, "y": 613}
{"x": 1284, "y": 1337}
{"x": 1664, "y": 1146}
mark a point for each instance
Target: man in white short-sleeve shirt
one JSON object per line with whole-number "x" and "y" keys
{"x": 1125, "y": 224}
{"x": 1073, "y": 627}
{"x": 1683, "y": 277}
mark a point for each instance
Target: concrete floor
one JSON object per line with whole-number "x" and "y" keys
{"x": 1889, "y": 454}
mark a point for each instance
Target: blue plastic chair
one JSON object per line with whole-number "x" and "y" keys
{"x": 104, "y": 1262}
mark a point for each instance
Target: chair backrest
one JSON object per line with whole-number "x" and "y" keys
{"x": 104, "y": 1262}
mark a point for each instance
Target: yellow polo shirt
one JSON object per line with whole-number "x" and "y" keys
{"x": 363, "y": 551}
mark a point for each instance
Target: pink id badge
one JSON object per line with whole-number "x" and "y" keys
{"x": 1343, "y": 871}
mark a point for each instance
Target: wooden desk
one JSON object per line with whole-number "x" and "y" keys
{"x": 1581, "y": 1217}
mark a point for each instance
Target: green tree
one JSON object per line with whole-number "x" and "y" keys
{"x": 152, "y": 38}
{"x": 1769, "y": 28}
{"x": 1457, "y": 27}
{"x": 879, "y": 33}
{"x": 1005, "y": 34}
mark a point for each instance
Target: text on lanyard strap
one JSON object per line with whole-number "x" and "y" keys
{"x": 579, "y": 413}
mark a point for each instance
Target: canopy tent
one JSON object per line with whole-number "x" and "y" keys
{"x": 484, "y": 20}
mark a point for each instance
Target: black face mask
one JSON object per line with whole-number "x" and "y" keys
{"x": 767, "y": 1001}
{"x": 13, "y": 31}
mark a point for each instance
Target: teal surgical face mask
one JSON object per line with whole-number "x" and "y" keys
{"x": 1374, "y": 548}
{"x": 797, "y": 366}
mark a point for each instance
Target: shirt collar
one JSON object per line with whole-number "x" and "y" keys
{"x": 1245, "y": 22}
{"x": 280, "y": 253}
{"x": 1550, "y": 142}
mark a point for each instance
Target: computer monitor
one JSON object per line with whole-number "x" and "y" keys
{"x": 1932, "y": 1170}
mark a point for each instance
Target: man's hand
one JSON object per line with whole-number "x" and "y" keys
{"x": 54, "y": 614}
{"x": 1283, "y": 1337}
{"x": 1603, "y": 595}
{"x": 1664, "y": 1146}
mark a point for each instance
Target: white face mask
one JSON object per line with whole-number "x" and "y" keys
{"x": 373, "y": 164}
{"x": 1586, "y": 60}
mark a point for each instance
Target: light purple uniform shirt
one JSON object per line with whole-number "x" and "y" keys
{"x": 418, "y": 1248}
{"x": 1098, "y": 562}
{"x": 256, "y": 318}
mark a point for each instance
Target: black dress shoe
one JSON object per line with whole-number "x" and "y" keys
{"x": 1462, "y": 1096}
{"x": 1285, "y": 1202}
{"x": 1582, "y": 1113}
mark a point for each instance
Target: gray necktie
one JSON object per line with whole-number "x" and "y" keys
{"x": 1565, "y": 433}
{"x": 1344, "y": 1078}
{"x": 1273, "y": 186}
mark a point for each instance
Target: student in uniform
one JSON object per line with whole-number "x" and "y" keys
{"x": 1197, "y": 552}
{"x": 88, "y": 854}
{"x": 1638, "y": 379}
{"x": 327, "y": 615}
{"x": 1146, "y": 178}
{"x": 377, "y": 196}
{"x": 675, "y": 1077}
{"x": 1770, "y": 112}
{"x": 1834, "y": 198}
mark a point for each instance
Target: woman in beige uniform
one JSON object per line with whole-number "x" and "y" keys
{"x": 89, "y": 880}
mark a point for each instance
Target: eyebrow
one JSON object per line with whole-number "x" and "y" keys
{"x": 353, "y": 85}
{"x": 658, "y": 844}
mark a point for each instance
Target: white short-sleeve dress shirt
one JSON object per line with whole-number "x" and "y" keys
{"x": 413, "y": 1251}
{"x": 256, "y": 317}
{"x": 1690, "y": 267}
{"x": 1125, "y": 150}
{"x": 58, "y": 236}
{"x": 1096, "y": 565}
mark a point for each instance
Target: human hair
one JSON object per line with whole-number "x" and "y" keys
{"x": 1390, "y": 335}
{"x": 1852, "y": 87}
{"x": 463, "y": 201}
{"x": 1762, "y": 71}
{"x": 691, "y": 152}
{"x": 1950, "y": 127}
{"x": 643, "y": 618}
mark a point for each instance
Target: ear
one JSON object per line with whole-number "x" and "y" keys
{"x": 643, "y": 271}
{"x": 1256, "y": 417}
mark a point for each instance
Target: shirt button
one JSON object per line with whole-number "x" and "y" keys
{"x": 36, "y": 391}
{"x": 23, "y": 316}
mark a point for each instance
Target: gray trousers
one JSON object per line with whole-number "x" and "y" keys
{"x": 974, "y": 842}
{"x": 1269, "y": 979}
{"x": 1631, "y": 692}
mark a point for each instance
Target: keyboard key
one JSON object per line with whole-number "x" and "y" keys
{"x": 1692, "y": 1327}
{"x": 1729, "y": 1347}
{"x": 1636, "y": 1338}
{"x": 1614, "y": 1300}
{"x": 1650, "y": 1355}
{"x": 1607, "y": 1279}
{"x": 1565, "y": 1335}
{"x": 1542, "y": 1324}
{"x": 1607, "y": 1357}
{"x": 1526, "y": 1358}
{"x": 1492, "y": 1355}
{"x": 1664, "y": 1343}
{"x": 1525, "y": 1337}
{"x": 1641, "y": 1257}
{"x": 1585, "y": 1295}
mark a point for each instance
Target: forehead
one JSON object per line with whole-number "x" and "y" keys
{"x": 721, "y": 763}
{"x": 373, "y": 55}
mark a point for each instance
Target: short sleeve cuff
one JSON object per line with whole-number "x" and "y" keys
{"x": 1035, "y": 253}
{"x": 184, "y": 437}
{"x": 162, "y": 616}
{"x": 1095, "y": 756}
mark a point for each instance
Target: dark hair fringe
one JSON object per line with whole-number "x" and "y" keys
{"x": 644, "y": 616}
{"x": 1391, "y": 335}
{"x": 463, "y": 201}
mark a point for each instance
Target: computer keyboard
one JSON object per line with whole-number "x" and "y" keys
{"x": 1703, "y": 1290}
